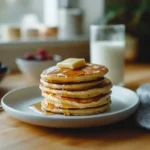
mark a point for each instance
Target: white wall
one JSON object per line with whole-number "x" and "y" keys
{"x": 50, "y": 13}
{"x": 12, "y": 11}
{"x": 94, "y": 9}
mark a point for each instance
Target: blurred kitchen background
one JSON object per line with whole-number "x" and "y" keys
{"x": 62, "y": 27}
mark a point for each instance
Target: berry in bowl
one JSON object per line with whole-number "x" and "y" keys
{"x": 32, "y": 65}
{"x": 3, "y": 71}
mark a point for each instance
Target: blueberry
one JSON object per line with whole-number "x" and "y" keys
{"x": 3, "y": 69}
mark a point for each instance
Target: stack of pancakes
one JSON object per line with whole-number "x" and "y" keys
{"x": 83, "y": 91}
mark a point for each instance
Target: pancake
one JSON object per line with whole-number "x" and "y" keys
{"x": 72, "y": 86}
{"x": 65, "y": 75}
{"x": 75, "y": 112}
{"x": 77, "y": 103}
{"x": 100, "y": 89}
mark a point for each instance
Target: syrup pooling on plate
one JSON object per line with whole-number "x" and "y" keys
{"x": 37, "y": 108}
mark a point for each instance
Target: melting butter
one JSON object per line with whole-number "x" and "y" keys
{"x": 72, "y": 63}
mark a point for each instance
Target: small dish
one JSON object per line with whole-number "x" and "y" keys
{"x": 33, "y": 68}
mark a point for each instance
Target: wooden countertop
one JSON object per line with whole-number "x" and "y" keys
{"x": 16, "y": 135}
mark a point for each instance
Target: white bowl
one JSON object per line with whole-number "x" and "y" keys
{"x": 33, "y": 68}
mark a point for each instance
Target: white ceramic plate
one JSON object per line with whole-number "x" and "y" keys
{"x": 16, "y": 103}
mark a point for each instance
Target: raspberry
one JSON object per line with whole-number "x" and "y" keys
{"x": 29, "y": 56}
{"x": 42, "y": 52}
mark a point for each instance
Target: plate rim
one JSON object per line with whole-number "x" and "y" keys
{"x": 95, "y": 116}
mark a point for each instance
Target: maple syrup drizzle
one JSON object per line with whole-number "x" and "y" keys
{"x": 64, "y": 106}
{"x": 63, "y": 72}
{"x": 37, "y": 108}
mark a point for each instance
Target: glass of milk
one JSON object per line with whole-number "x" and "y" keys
{"x": 107, "y": 44}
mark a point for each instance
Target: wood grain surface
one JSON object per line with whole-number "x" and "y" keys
{"x": 125, "y": 135}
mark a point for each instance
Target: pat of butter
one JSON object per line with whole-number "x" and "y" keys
{"x": 72, "y": 63}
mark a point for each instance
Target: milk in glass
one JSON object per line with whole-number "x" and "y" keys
{"x": 110, "y": 54}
